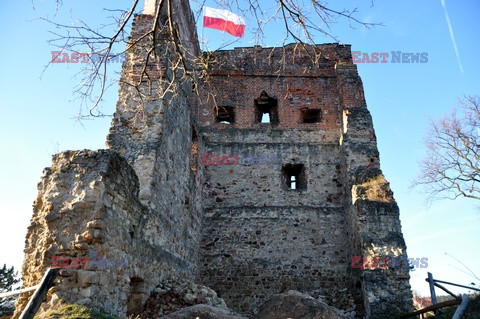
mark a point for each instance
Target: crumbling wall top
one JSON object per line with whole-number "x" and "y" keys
{"x": 290, "y": 60}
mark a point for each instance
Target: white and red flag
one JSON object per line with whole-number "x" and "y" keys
{"x": 224, "y": 20}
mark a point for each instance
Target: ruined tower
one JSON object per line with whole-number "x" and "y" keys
{"x": 299, "y": 193}
{"x": 262, "y": 235}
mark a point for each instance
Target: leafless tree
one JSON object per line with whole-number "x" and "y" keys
{"x": 451, "y": 166}
{"x": 304, "y": 22}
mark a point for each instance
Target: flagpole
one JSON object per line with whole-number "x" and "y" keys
{"x": 224, "y": 28}
{"x": 203, "y": 28}
{"x": 223, "y": 33}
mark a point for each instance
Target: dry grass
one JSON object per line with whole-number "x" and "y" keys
{"x": 72, "y": 311}
{"x": 376, "y": 189}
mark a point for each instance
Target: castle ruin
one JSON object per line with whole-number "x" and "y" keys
{"x": 159, "y": 197}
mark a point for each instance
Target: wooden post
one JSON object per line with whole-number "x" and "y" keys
{"x": 37, "y": 298}
{"x": 457, "y": 285}
{"x": 448, "y": 303}
{"x": 446, "y": 290}
{"x": 17, "y": 292}
{"x": 461, "y": 308}
{"x": 432, "y": 291}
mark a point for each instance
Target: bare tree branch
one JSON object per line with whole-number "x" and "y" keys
{"x": 451, "y": 167}
{"x": 304, "y": 22}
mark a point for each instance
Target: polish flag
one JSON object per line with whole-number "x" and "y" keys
{"x": 224, "y": 20}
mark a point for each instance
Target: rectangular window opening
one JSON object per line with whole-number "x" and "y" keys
{"x": 294, "y": 177}
{"x": 266, "y": 110}
{"x": 311, "y": 116}
{"x": 225, "y": 115}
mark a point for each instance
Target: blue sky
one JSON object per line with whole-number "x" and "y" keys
{"x": 38, "y": 114}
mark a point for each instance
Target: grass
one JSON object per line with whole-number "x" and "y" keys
{"x": 72, "y": 311}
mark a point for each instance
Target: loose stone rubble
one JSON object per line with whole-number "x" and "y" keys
{"x": 172, "y": 296}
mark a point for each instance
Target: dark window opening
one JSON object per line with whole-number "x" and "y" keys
{"x": 132, "y": 232}
{"x": 194, "y": 151}
{"x": 266, "y": 111}
{"x": 311, "y": 116}
{"x": 294, "y": 177}
{"x": 225, "y": 115}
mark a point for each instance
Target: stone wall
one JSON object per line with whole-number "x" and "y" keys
{"x": 154, "y": 132}
{"x": 260, "y": 239}
{"x": 374, "y": 219}
{"x": 88, "y": 204}
{"x": 94, "y": 201}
